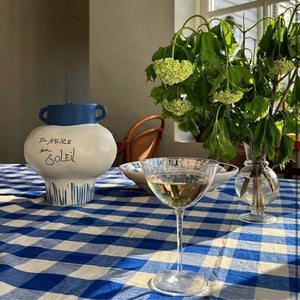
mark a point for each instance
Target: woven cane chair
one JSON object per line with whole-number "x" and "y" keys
{"x": 141, "y": 143}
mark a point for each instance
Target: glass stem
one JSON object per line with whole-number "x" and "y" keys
{"x": 179, "y": 222}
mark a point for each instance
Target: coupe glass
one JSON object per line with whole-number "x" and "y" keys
{"x": 179, "y": 182}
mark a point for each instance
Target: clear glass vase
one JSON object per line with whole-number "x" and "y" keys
{"x": 257, "y": 185}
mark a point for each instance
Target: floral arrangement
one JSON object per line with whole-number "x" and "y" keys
{"x": 223, "y": 93}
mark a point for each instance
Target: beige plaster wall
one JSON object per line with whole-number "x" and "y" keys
{"x": 33, "y": 65}
{"x": 77, "y": 51}
{"x": 123, "y": 37}
{"x": 44, "y": 60}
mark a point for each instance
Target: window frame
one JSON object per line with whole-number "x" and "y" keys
{"x": 205, "y": 7}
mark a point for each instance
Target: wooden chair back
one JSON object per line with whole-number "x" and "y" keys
{"x": 143, "y": 144}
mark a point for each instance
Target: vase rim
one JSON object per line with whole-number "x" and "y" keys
{"x": 72, "y": 114}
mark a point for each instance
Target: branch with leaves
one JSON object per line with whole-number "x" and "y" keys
{"x": 212, "y": 89}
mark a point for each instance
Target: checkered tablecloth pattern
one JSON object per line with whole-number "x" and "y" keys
{"x": 110, "y": 247}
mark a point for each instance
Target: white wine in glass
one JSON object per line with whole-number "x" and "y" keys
{"x": 179, "y": 182}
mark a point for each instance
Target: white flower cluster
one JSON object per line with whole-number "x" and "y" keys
{"x": 281, "y": 66}
{"x": 172, "y": 71}
{"x": 227, "y": 97}
{"x": 177, "y": 107}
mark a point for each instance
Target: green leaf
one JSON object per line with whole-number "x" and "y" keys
{"x": 267, "y": 43}
{"x": 217, "y": 31}
{"x": 292, "y": 122}
{"x": 159, "y": 54}
{"x": 295, "y": 98}
{"x": 202, "y": 90}
{"x": 240, "y": 76}
{"x": 280, "y": 39}
{"x": 170, "y": 92}
{"x": 189, "y": 126}
{"x": 295, "y": 29}
{"x": 192, "y": 95}
{"x": 257, "y": 109}
{"x": 294, "y": 43}
{"x": 166, "y": 114}
{"x": 272, "y": 138}
{"x": 217, "y": 80}
{"x": 210, "y": 49}
{"x": 266, "y": 138}
{"x": 274, "y": 42}
{"x": 285, "y": 150}
{"x": 150, "y": 73}
{"x": 156, "y": 94}
{"x": 258, "y": 137}
{"x": 219, "y": 143}
{"x": 228, "y": 37}
{"x": 239, "y": 127}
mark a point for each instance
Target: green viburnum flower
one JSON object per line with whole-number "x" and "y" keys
{"x": 172, "y": 71}
{"x": 177, "y": 107}
{"x": 227, "y": 97}
{"x": 281, "y": 66}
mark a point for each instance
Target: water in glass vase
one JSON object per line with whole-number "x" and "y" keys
{"x": 178, "y": 190}
{"x": 266, "y": 192}
{"x": 257, "y": 191}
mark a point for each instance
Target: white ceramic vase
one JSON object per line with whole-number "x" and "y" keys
{"x": 70, "y": 152}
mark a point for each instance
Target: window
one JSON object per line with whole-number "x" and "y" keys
{"x": 244, "y": 12}
{"x": 217, "y": 8}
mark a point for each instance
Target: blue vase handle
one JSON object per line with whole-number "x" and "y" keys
{"x": 41, "y": 114}
{"x": 104, "y": 112}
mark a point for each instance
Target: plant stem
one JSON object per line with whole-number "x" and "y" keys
{"x": 259, "y": 21}
{"x": 257, "y": 170}
{"x": 247, "y": 180}
{"x": 291, "y": 81}
{"x": 175, "y": 41}
{"x": 292, "y": 16}
{"x": 275, "y": 85}
{"x": 179, "y": 222}
{"x": 244, "y": 40}
{"x": 197, "y": 16}
{"x": 268, "y": 178}
{"x": 257, "y": 188}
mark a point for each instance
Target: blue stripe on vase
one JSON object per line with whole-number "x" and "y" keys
{"x": 79, "y": 194}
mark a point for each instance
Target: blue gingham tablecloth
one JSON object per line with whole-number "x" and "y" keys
{"x": 110, "y": 247}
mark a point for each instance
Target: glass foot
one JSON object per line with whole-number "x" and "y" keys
{"x": 257, "y": 219}
{"x": 175, "y": 283}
